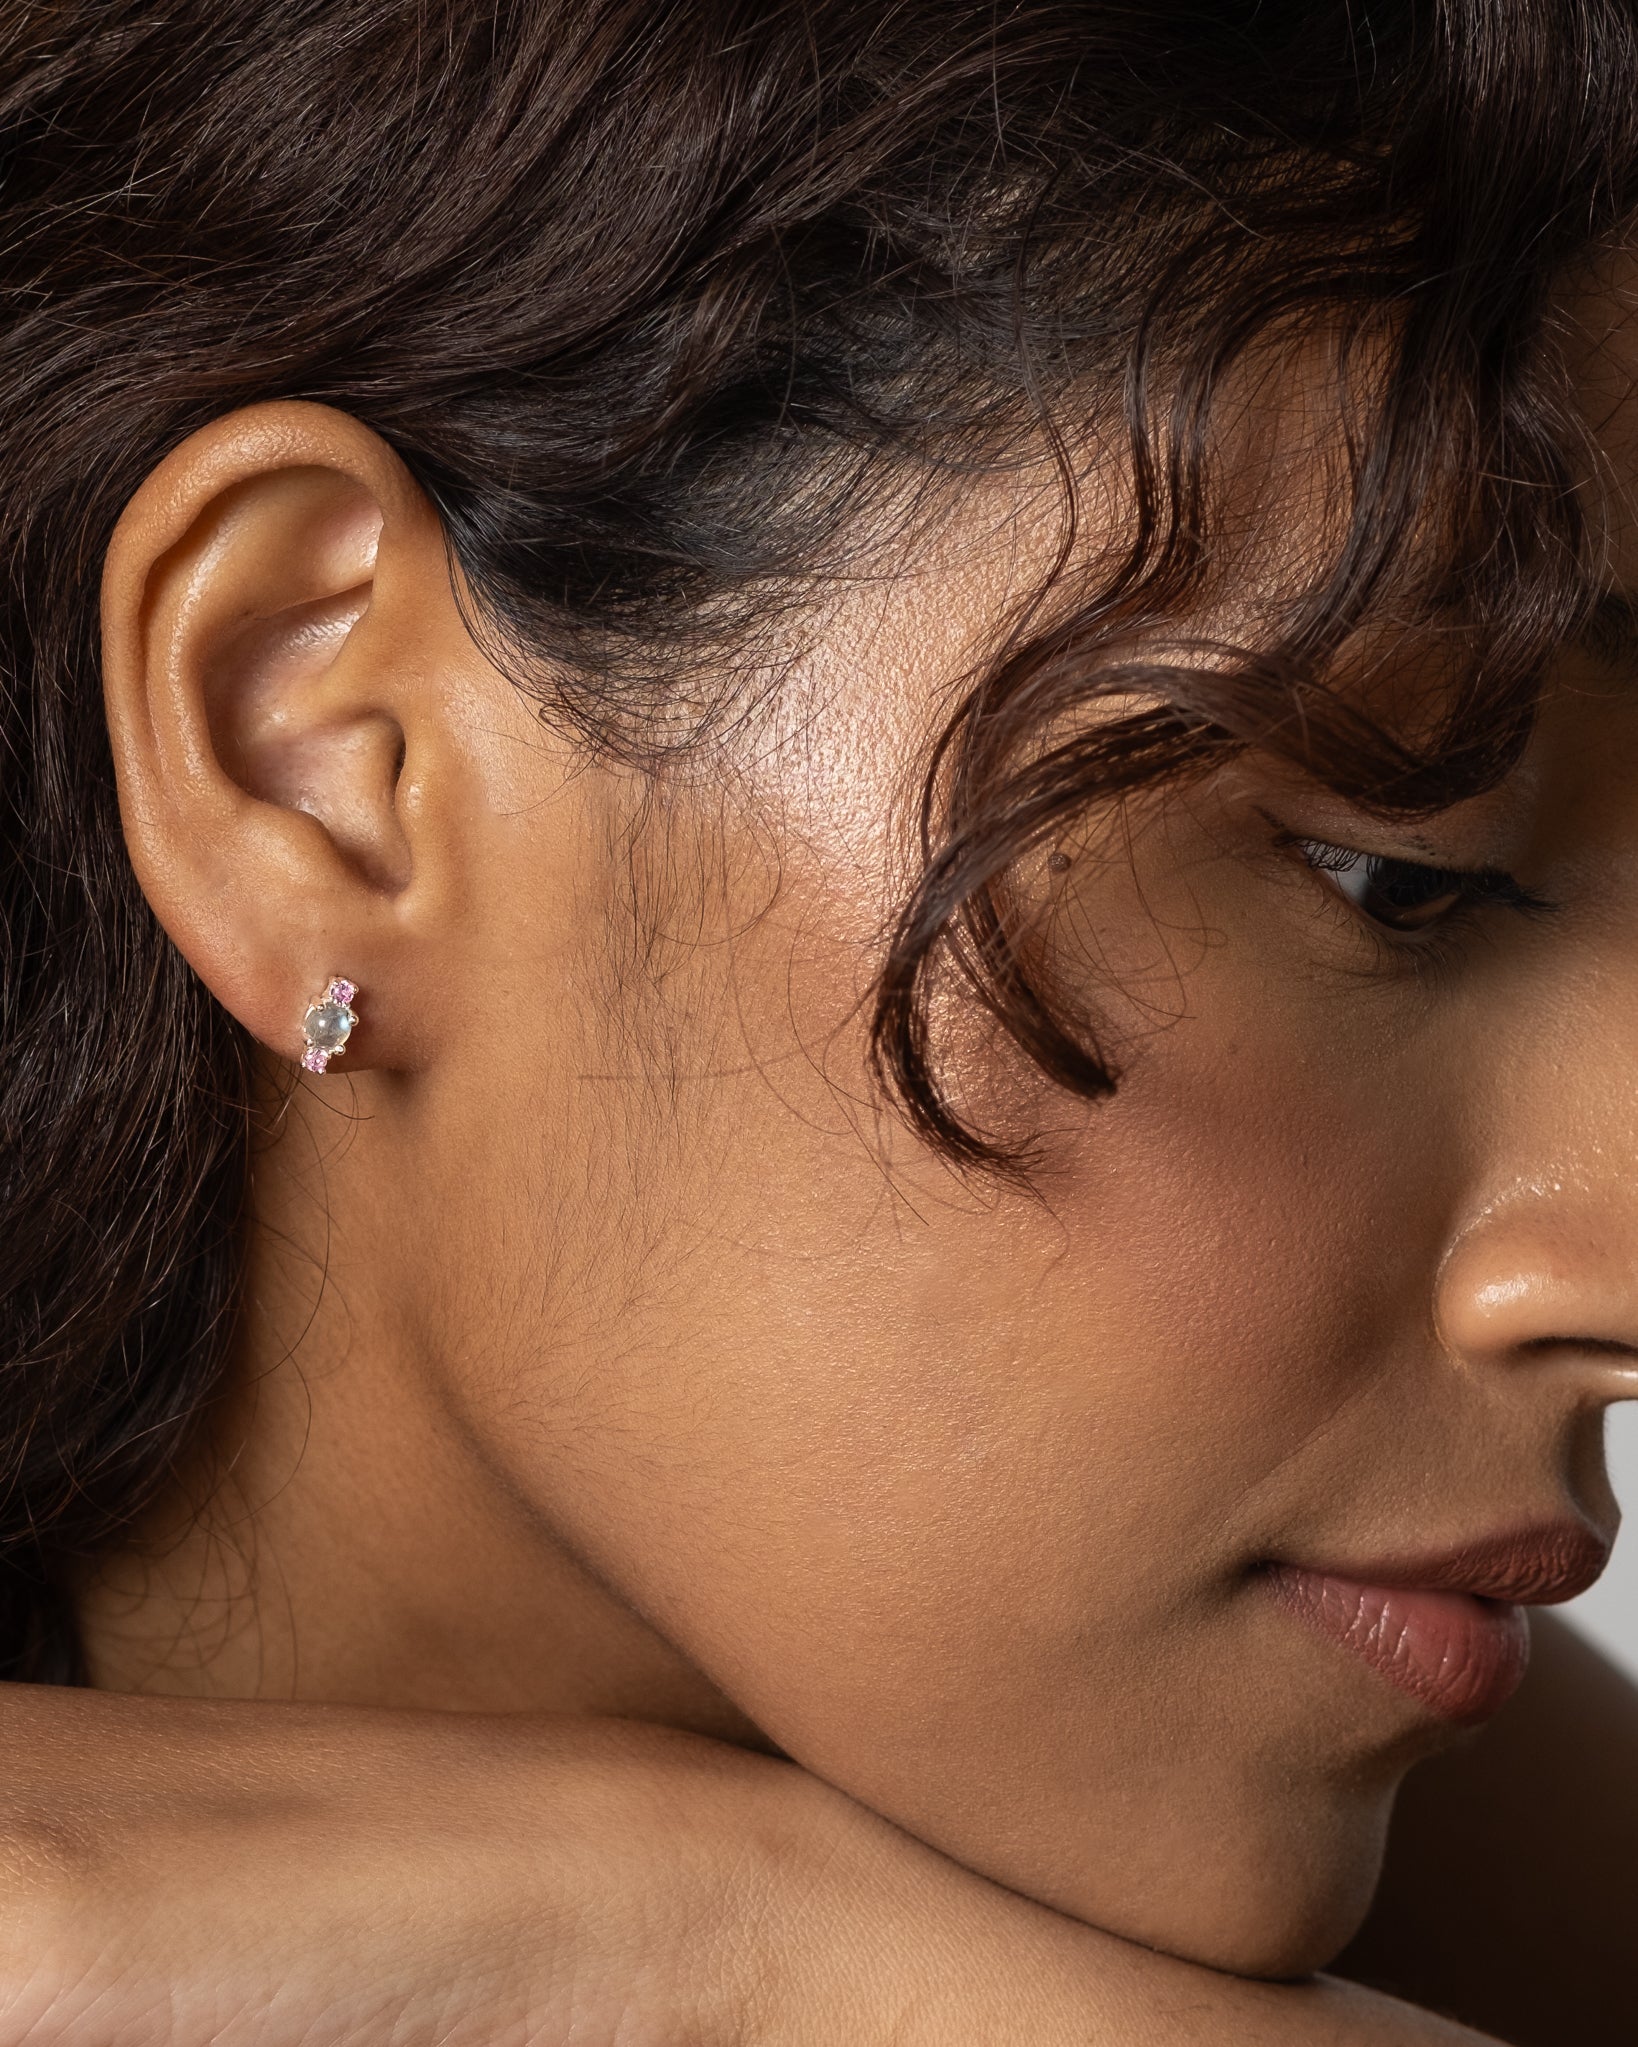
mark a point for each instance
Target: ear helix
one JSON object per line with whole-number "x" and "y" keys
{"x": 328, "y": 1024}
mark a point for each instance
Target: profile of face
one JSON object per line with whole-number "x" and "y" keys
{"x": 658, "y": 1354}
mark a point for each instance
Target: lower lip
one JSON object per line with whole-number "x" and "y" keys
{"x": 1460, "y": 1656}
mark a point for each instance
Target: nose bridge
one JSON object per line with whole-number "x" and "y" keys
{"x": 1545, "y": 1255}
{"x": 1573, "y": 1042}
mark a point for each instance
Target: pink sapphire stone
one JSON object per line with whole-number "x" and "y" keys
{"x": 342, "y": 992}
{"x": 314, "y": 1060}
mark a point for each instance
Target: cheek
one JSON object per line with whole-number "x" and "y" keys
{"x": 955, "y": 1493}
{"x": 942, "y": 1422}
{"x": 957, "y": 1503}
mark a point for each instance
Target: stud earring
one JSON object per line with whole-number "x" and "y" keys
{"x": 328, "y": 1025}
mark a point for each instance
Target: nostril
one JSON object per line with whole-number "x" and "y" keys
{"x": 1607, "y": 1346}
{"x": 1546, "y": 1274}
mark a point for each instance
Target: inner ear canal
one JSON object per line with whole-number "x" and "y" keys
{"x": 287, "y": 739}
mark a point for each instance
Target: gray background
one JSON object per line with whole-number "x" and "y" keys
{"x": 1609, "y": 1612}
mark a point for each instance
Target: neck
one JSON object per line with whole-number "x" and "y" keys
{"x": 340, "y": 1536}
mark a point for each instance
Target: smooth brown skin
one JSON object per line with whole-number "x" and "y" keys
{"x": 658, "y": 1374}
{"x": 174, "y": 1873}
{"x": 247, "y": 1877}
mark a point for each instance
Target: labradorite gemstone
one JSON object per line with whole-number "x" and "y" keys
{"x": 328, "y": 1025}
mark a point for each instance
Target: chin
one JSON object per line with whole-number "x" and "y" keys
{"x": 1276, "y": 1899}
{"x": 1286, "y": 1936}
{"x": 1268, "y": 1892}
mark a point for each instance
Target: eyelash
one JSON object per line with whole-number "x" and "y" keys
{"x": 1434, "y": 943}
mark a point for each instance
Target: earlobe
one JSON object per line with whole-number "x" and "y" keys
{"x": 259, "y": 720}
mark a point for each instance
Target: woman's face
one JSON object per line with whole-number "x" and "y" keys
{"x": 977, "y": 1501}
{"x": 968, "y": 1498}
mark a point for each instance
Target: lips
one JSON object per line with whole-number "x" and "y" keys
{"x": 1448, "y": 1629}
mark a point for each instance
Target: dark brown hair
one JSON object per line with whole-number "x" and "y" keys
{"x": 662, "y": 304}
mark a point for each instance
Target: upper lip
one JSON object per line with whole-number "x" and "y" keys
{"x": 1535, "y": 1566}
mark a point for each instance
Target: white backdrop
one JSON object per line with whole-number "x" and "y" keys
{"x": 1609, "y": 1612}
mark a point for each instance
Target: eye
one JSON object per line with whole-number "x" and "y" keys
{"x": 1409, "y": 895}
{"x": 1407, "y": 898}
{"x": 1403, "y": 895}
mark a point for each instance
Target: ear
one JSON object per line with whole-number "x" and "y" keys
{"x": 279, "y": 630}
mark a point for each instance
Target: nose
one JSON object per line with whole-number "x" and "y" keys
{"x": 1542, "y": 1263}
{"x": 1548, "y": 1269}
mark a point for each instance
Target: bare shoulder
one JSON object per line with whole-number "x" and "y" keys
{"x": 202, "y": 1872}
